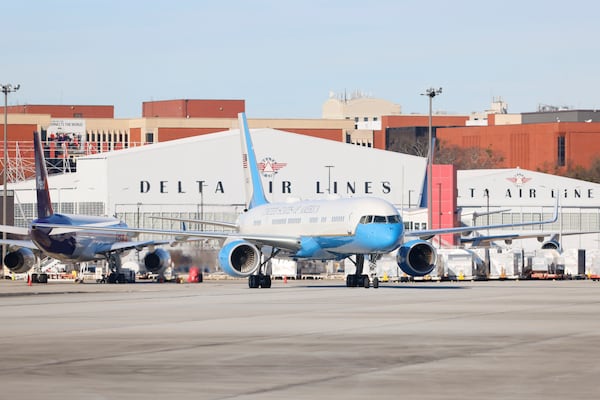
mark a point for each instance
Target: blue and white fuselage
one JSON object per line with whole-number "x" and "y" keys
{"x": 329, "y": 229}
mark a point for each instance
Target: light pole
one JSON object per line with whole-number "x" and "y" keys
{"x": 431, "y": 93}
{"x": 6, "y": 89}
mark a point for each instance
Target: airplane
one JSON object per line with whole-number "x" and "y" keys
{"x": 73, "y": 245}
{"x": 355, "y": 228}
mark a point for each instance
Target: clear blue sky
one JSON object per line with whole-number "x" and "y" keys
{"x": 284, "y": 57}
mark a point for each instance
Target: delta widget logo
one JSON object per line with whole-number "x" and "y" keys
{"x": 269, "y": 167}
{"x": 519, "y": 179}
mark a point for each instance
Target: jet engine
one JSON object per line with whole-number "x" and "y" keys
{"x": 19, "y": 261}
{"x": 239, "y": 258}
{"x": 551, "y": 245}
{"x": 157, "y": 261}
{"x": 417, "y": 257}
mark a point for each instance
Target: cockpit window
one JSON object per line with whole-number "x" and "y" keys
{"x": 366, "y": 219}
{"x": 393, "y": 219}
{"x": 379, "y": 219}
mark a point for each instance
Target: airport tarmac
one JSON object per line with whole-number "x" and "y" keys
{"x": 301, "y": 340}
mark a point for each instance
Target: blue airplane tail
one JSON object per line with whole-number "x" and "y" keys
{"x": 44, "y": 204}
{"x": 255, "y": 194}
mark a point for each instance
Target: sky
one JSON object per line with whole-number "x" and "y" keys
{"x": 284, "y": 58}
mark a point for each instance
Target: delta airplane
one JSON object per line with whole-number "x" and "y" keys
{"x": 357, "y": 228}
{"x": 72, "y": 245}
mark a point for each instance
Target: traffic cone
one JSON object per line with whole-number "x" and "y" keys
{"x": 28, "y": 280}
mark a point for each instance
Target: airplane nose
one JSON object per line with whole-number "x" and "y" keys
{"x": 390, "y": 237}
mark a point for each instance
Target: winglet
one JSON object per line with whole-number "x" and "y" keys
{"x": 255, "y": 194}
{"x": 556, "y": 207}
{"x": 44, "y": 204}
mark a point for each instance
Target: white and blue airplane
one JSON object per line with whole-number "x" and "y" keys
{"x": 67, "y": 243}
{"x": 356, "y": 228}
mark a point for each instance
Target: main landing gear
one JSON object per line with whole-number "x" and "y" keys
{"x": 362, "y": 280}
{"x": 114, "y": 266}
{"x": 260, "y": 279}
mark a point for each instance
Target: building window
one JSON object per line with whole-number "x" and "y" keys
{"x": 366, "y": 119}
{"x": 149, "y": 137}
{"x": 561, "y": 151}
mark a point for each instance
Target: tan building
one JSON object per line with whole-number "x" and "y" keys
{"x": 366, "y": 112}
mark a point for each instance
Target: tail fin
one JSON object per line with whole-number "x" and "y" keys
{"x": 255, "y": 194}
{"x": 44, "y": 204}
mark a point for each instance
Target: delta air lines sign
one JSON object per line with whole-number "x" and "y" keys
{"x": 268, "y": 167}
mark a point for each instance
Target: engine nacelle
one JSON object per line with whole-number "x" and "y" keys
{"x": 417, "y": 258}
{"x": 19, "y": 261}
{"x": 157, "y": 261}
{"x": 551, "y": 245}
{"x": 239, "y": 258}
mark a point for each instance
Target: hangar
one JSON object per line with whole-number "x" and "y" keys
{"x": 200, "y": 177}
{"x": 531, "y": 196}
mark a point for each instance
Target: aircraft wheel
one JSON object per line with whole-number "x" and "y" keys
{"x": 365, "y": 281}
{"x": 112, "y": 278}
{"x": 265, "y": 281}
{"x": 351, "y": 280}
{"x": 253, "y": 281}
{"x": 375, "y": 283}
{"x": 42, "y": 278}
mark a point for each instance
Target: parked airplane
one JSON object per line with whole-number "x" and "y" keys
{"x": 355, "y": 228}
{"x": 72, "y": 245}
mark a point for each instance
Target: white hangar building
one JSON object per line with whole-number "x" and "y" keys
{"x": 531, "y": 196}
{"x": 201, "y": 178}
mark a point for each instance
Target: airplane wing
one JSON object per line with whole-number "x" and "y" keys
{"x": 19, "y": 243}
{"x": 291, "y": 243}
{"x": 130, "y": 245}
{"x": 16, "y": 230}
{"x": 200, "y": 221}
{"x": 429, "y": 233}
{"x": 485, "y": 240}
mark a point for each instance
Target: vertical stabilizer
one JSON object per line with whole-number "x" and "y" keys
{"x": 44, "y": 204}
{"x": 255, "y": 194}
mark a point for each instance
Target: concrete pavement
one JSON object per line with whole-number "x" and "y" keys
{"x": 300, "y": 340}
